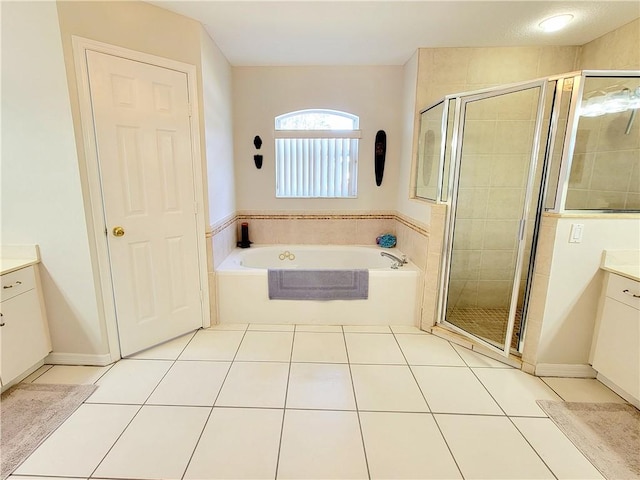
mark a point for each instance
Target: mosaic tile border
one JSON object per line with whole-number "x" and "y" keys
{"x": 406, "y": 221}
{"x": 220, "y": 226}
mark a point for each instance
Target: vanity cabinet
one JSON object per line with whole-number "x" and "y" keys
{"x": 24, "y": 334}
{"x": 617, "y": 349}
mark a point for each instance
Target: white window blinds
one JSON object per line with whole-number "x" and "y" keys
{"x": 317, "y": 154}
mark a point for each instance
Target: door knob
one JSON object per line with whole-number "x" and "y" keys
{"x": 118, "y": 232}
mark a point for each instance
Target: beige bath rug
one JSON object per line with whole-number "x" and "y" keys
{"x": 30, "y": 413}
{"x": 608, "y": 434}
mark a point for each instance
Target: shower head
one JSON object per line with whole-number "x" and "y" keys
{"x": 602, "y": 103}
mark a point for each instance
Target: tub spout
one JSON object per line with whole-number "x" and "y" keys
{"x": 397, "y": 261}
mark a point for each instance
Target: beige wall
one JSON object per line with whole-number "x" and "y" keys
{"x": 41, "y": 187}
{"x": 616, "y": 50}
{"x": 218, "y": 129}
{"x": 48, "y": 170}
{"x": 262, "y": 93}
{"x": 406, "y": 205}
{"x": 443, "y": 71}
{"x": 575, "y": 283}
{"x": 135, "y": 25}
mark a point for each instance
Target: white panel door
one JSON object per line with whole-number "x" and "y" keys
{"x": 142, "y": 130}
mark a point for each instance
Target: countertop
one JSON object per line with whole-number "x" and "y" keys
{"x": 15, "y": 257}
{"x": 625, "y": 263}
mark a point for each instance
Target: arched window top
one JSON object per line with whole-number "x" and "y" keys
{"x": 317, "y": 119}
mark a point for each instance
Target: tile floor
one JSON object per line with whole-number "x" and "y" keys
{"x": 294, "y": 402}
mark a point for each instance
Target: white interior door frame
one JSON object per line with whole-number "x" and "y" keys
{"x": 99, "y": 249}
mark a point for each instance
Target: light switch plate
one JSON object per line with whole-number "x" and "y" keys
{"x": 576, "y": 233}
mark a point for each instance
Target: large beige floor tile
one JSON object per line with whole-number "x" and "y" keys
{"x": 319, "y": 328}
{"x": 238, "y": 443}
{"x": 29, "y": 477}
{"x": 72, "y": 374}
{"x": 229, "y": 326}
{"x": 321, "y": 386}
{"x": 266, "y": 346}
{"x": 582, "y": 390}
{"x": 319, "y": 347}
{"x": 428, "y": 350}
{"x": 81, "y": 442}
{"x": 166, "y": 351}
{"x": 406, "y": 445}
{"x": 255, "y": 384}
{"x": 515, "y": 391}
{"x": 213, "y": 345}
{"x": 259, "y": 327}
{"x": 192, "y": 382}
{"x": 475, "y": 359}
{"x": 490, "y": 448}
{"x": 373, "y": 348}
{"x": 322, "y": 445}
{"x": 366, "y": 329}
{"x": 130, "y": 381}
{"x": 454, "y": 390}
{"x": 37, "y": 373}
{"x": 157, "y": 444}
{"x": 408, "y": 329}
{"x": 557, "y": 451}
{"x": 389, "y": 388}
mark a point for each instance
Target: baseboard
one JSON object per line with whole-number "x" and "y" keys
{"x": 620, "y": 391}
{"x": 565, "y": 370}
{"x": 99, "y": 360}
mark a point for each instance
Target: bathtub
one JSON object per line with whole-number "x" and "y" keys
{"x": 242, "y": 293}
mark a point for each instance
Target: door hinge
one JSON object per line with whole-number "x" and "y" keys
{"x": 190, "y": 109}
{"x": 195, "y": 207}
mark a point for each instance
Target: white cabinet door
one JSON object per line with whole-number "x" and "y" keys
{"x": 23, "y": 340}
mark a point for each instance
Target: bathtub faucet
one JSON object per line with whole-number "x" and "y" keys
{"x": 397, "y": 261}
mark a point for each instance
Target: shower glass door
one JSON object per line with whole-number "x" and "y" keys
{"x": 494, "y": 177}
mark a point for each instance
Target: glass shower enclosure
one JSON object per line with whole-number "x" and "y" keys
{"x": 499, "y": 158}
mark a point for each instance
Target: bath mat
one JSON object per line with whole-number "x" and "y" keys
{"x": 30, "y": 413}
{"x": 318, "y": 284}
{"x": 608, "y": 434}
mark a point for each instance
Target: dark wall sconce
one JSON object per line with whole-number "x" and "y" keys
{"x": 380, "y": 154}
{"x": 257, "y": 159}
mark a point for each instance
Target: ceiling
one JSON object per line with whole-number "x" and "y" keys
{"x": 388, "y": 32}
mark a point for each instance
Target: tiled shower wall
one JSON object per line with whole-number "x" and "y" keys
{"x": 605, "y": 172}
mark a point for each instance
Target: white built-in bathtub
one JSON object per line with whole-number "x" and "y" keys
{"x": 243, "y": 293}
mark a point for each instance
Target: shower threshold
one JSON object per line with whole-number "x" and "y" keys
{"x": 488, "y": 324}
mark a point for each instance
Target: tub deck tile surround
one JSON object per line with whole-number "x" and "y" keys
{"x": 292, "y": 413}
{"x": 313, "y": 228}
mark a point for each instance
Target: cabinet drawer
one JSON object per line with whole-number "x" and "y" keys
{"x": 623, "y": 290}
{"x": 17, "y": 282}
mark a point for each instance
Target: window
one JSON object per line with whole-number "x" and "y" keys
{"x": 317, "y": 154}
